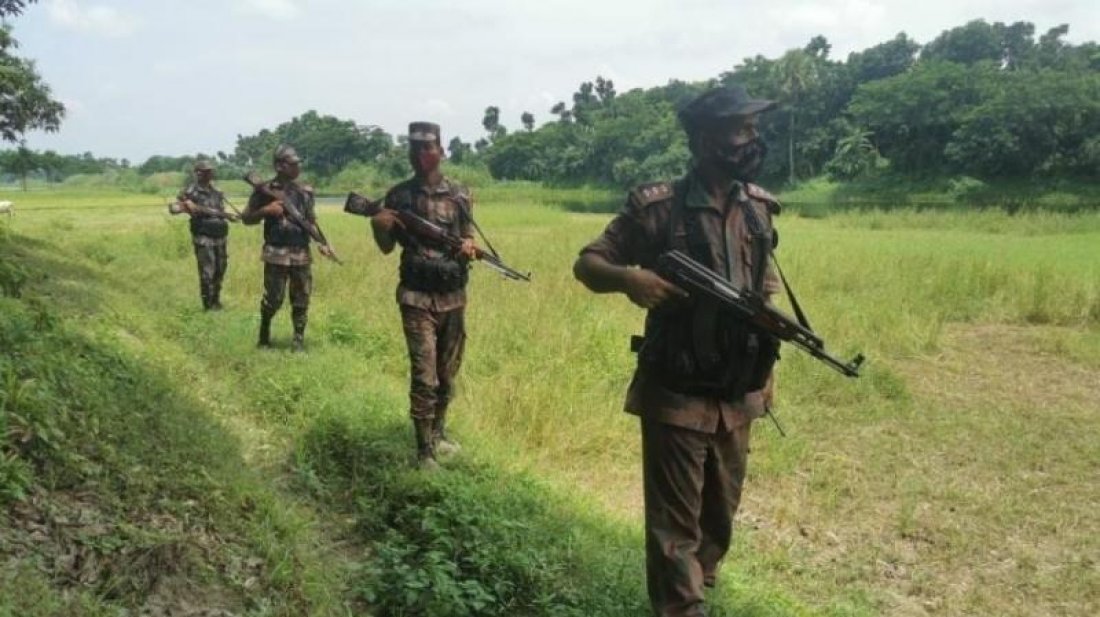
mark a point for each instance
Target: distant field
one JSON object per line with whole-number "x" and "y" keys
{"x": 958, "y": 476}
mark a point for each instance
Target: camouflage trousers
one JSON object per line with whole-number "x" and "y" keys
{"x": 435, "y": 341}
{"x": 213, "y": 259}
{"x": 276, "y": 280}
{"x": 692, "y": 489}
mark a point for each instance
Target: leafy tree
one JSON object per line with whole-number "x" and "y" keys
{"x": 26, "y": 102}
{"x": 855, "y": 155}
{"x": 796, "y": 73}
{"x": 459, "y": 150}
{"x": 528, "y": 120}
{"x": 976, "y": 41}
{"x": 564, "y": 113}
{"x": 326, "y": 144}
{"x": 914, "y": 115}
{"x": 491, "y": 122}
{"x": 883, "y": 60}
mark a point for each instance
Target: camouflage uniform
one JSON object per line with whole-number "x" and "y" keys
{"x": 287, "y": 258}
{"x": 694, "y": 442}
{"x": 432, "y": 297}
{"x": 209, "y": 235}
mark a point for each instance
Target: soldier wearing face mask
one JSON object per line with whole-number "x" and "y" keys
{"x": 432, "y": 288}
{"x": 702, "y": 375}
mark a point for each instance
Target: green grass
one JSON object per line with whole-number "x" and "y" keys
{"x": 935, "y": 483}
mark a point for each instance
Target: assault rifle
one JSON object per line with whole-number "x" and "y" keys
{"x": 425, "y": 229}
{"x": 293, "y": 214}
{"x": 697, "y": 279}
{"x": 190, "y": 207}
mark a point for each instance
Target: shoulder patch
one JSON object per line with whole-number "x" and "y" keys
{"x": 307, "y": 188}
{"x": 645, "y": 194}
{"x": 756, "y": 192}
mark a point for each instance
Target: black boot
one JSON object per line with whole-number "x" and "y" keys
{"x": 265, "y": 331}
{"x": 425, "y": 450}
{"x": 216, "y": 299}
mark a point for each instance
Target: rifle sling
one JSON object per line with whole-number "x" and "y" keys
{"x": 470, "y": 217}
{"x": 790, "y": 296}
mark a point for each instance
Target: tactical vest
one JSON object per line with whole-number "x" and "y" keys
{"x": 696, "y": 347}
{"x": 280, "y": 231}
{"x": 434, "y": 269}
{"x": 203, "y": 225}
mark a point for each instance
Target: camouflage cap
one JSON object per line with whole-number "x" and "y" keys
{"x": 286, "y": 154}
{"x": 424, "y": 131}
{"x": 202, "y": 165}
{"x": 721, "y": 103}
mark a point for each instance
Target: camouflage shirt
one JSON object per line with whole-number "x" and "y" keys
{"x": 206, "y": 229}
{"x": 449, "y": 205}
{"x": 285, "y": 243}
{"x": 640, "y": 233}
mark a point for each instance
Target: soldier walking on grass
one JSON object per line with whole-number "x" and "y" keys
{"x": 286, "y": 255}
{"x": 432, "y": 288}
{"x": 702, "y": 375}
{"x": 209, "y": 232}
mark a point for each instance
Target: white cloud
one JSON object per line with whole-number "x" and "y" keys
{"x": 275, "y": 9}
{"x": 92, "y": 19}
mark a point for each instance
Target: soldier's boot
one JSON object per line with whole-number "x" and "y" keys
{"x": 443, "y": 445}
{"x": 216, "y": 298}
{"x": 298, "y": 345}
{"x": 425, "y": 450}
{"x": 265, "y": 330}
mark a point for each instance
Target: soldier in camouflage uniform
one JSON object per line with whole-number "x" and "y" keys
{"x": 286, "y": 255}
{"x": 209, "y": 232}
{"x": 702, "y": 375}
{"x": 432, "y": 288}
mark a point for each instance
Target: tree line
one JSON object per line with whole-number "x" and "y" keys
{"x": 986, "y": 100}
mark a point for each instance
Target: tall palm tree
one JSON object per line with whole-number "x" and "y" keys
{"x": 797, "y": 72}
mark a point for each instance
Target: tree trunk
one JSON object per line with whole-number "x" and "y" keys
{"x": 790, "y": 150}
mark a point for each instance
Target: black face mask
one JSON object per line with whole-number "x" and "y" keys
{"x": 742, "y": 162}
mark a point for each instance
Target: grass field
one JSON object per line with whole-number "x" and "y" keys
{"x": 958, "y": 476}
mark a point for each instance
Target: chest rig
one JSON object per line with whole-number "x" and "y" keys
{"x": 204, "y": 224}
{"x": 429, "y": 267}
{"x": 696, "y": 347}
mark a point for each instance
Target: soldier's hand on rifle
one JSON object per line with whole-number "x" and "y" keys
{"x": 647, "y": 289}
{"x": 468, "y": 249}
{"x": 385, "y": 220}
{"x": 232, "y": 217}
{"x": 274, "y": 208}
{"x": 327, "y": 251}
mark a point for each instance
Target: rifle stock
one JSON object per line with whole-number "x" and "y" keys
{"x": 293, "y": 214}
{"x": 425, "y": 229}
{"x": 697, "y": 279}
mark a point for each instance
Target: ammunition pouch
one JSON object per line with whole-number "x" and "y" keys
{"x": 433, "y": 274}
{"x": 209, "y": 226}
{"x": 705, "y": 353}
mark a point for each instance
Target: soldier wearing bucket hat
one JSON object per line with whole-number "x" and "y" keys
{"x": 702, "y": 377}
{"x": 209, "y": 231}
{"x": 432, "y": 288}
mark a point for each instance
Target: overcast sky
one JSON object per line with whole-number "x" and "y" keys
{"x": 144, "y": 77}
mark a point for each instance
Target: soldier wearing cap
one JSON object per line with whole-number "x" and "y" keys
{"x": 286, "y": 255}
{"x": 209, "y": 231}
{"x": 702, "y": 376}
{"x": 432, "y": 288}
